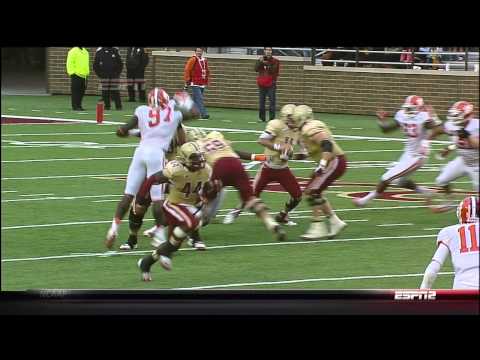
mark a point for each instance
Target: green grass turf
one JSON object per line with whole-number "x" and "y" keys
{"x": 221, "y": 266}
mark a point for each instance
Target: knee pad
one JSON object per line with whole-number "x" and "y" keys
{"x": 256, "y": 205}
{"x": 316, "y": 200}
{"x": 292, "y": 203}
{"x": 178, "y": 233}
{"x": 135, "y": 220}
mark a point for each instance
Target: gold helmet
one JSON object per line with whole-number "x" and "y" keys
{"x": 301, "y": 114}
{"x": 194, "y": 134}
{"x": 191, "y": 156}
{"x": 286, "y": 114}
{"x": 215, "y": 135}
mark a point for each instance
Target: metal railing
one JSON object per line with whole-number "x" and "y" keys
{"x": 467, "y": 60}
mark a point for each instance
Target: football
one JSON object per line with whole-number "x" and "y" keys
{"x": 287, "y": 153}
{"x": 210, "y": 189}
{"x": 183, "y": 101}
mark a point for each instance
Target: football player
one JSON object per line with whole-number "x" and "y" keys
{"x": 229, "y": 171}
{"x": 278, "y": 138}
{"x": 461, "y": 242}
{"x": 332, "y": 164}
{"x": 140, "y": 205}
{"x": 414, "y": 119}
{"x": 187, "y": 177}
{"x": 463, "y": 129}
{"x": 157, "y": 122}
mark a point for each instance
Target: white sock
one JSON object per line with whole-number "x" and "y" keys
{"x": 371, "y": 195}
{"x": 423, "y": 190}
{"x": 334, "y": 219}
{"x": 115, "y": 225}
{"x": 270, "y": 223}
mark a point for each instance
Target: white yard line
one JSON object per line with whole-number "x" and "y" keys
{"x": 114, "y": 253}
{"x": 61, "y": 198}
{"x": 66, "y": 159}
{"x": 60, "y": 119}
{"x": 9, "y": 191}
{"x": 362, "y": 277}
{"x": 388, "y": 225}
{"x": 60, "y": 177}
{"x": 36, "y": 195}
{"x": 63, "y": 133}
{"x": 351, "y": 137}
{"x": 293, "y": 213}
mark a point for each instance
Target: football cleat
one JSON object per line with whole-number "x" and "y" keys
{"x": 110, "y": 238}
{"x": 146, "y": 276}
{"x": 335, "y": 228}
{"x": 149, "y": 233}
{"x": 358, "y": 202}
{"x": 282, "y": 218}
{"x": 128, "y": 247}
{"x": 232, "y": 216}
{"x": 197, "y": 245}
{"x": 280, "y": 233}
{"x": 317, "y": 230}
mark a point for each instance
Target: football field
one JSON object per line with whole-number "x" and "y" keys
{"x": 61, "y": 182}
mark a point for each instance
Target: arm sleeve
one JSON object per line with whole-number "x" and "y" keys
{"x": 433, "y": 268}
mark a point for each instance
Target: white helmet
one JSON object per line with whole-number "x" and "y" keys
{"x": 158, "y": 98}
{"x": 459, "y": 112}
{"x": 412, "y": 105}
{"x": 467, "y": 210}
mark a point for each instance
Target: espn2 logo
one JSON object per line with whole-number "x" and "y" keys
{"x": 415, "y": 295}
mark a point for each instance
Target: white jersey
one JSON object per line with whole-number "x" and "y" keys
{"x": 414, "y": 128}
{"x": 462, "y": 242}
{"x": 158, "y": 128}
{"x": 464, "y": 150}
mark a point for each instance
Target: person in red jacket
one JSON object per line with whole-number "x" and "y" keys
{"x": 196, "y": 75}
{"x": 268, "y": 68}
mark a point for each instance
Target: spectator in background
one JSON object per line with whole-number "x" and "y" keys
{"x": 268, "y": 69}
{"x": 108, "y": 66}
{"x": 406, "y": 57}
{"x": 196, "y": 76}
{"x": 78, "y": 68}
{"x": 137, "y": 61}
{"x": 425, "y": 55}
{"x": 436, "y": 58}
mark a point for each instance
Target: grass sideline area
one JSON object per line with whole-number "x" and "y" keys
{"x": 61, "y": 184}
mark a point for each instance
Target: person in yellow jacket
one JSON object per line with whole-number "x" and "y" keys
{"x": 78, "y": 68}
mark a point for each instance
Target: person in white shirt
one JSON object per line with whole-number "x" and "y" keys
{"x": 461, "y": 242}
{"x": 158, "y": 122}
{"x": 415, "y": 119}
